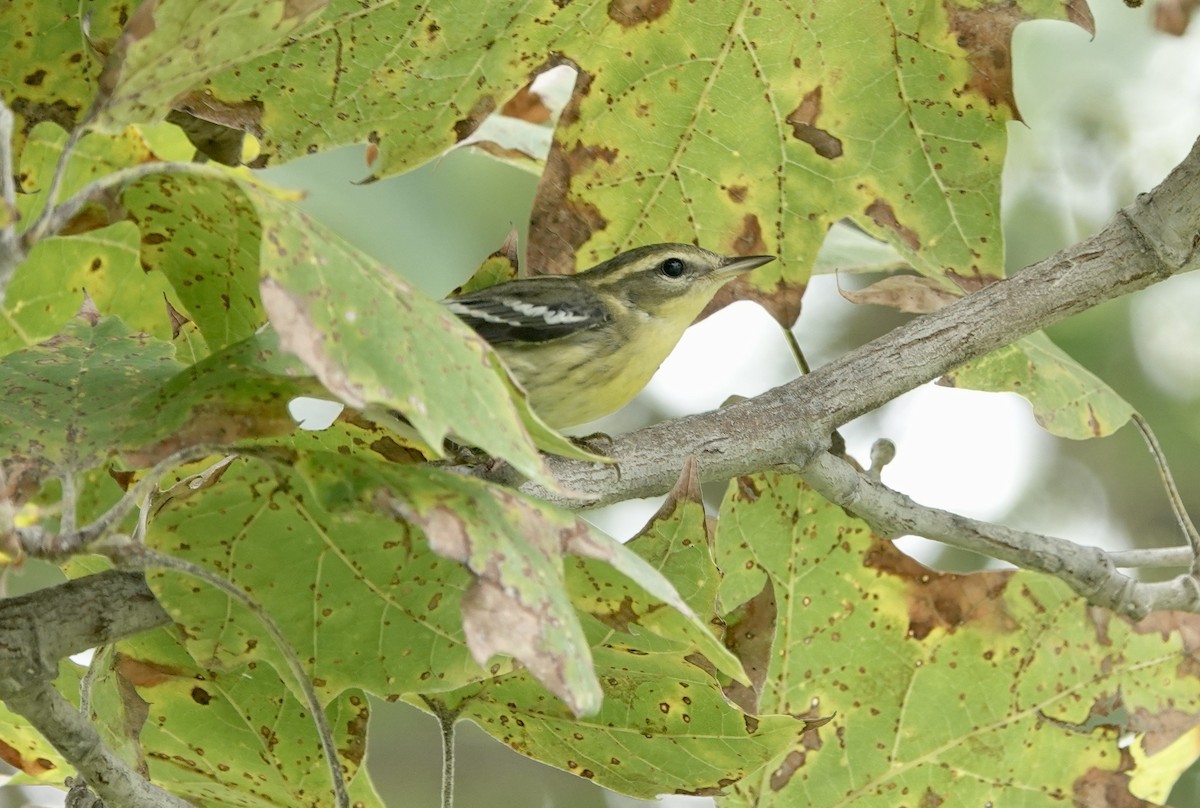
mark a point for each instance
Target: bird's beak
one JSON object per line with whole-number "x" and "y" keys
{"x": 744, "y": 263}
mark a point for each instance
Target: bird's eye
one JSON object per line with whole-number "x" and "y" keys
{"x": 672, "y": 267}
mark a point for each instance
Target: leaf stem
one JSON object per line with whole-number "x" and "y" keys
{"x": 447, "y": 719}
{"x": 54, "y": 218}
{"x": 447, "y": 724}
{"x": 35, "y": 541}
{"x": 1168, "y": 480}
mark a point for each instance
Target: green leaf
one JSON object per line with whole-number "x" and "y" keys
{"x": 202, "y": 233}
{"x": 237, "y": 394}
{"x": 93, "y": 157}
{"x": 519, "y": 604}
{"x": 65, "y": 403}
{"x": 169, "y": 47}
{"x": 501, "y": 266}
{"x": 364, "y": 600}
{"x": 48, "y": 288}
{"x": 676, "y": 544}
{"x": 995, "y": 687}
{"x": 1068, "y": 400}
{"x": 418, "y": 78}
{"x": 665, "y": 724}
{"x": 236, "y": 738}
{"x": 664, "y": 727}
{"x": 368, "y": 568}
{"x": 375, "y": 341}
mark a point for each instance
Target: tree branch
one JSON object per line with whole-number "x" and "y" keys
{"x": 77, "y": 740}
{"x": 42, "y": 627}
{"x": 1154, "y": 238}
{"x": 788, "y": 428}
{"x": 36, "y": 631}
{"x": 1090, "y": 571}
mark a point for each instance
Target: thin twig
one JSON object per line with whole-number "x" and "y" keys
{"x": 1158, "y": 557}
{"x": 1090, "y": 571}
{"x": 143, "y": 556}
{"x": 53, "y": 219}
{"x": 1177, "y": 507}
{"x": 89, "y": 679}
{"x": 69, "y": 504}
{"x": 37, "y": 229}
{"x": 37, "y": 543}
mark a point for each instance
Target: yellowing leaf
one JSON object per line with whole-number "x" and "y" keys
{"x": 1068, "y": 400}
{"x": 48, "y": 287}
{"x": 226, "y": 738}
{"x": 171, "y": 46}
{"x": 932, "y": 675}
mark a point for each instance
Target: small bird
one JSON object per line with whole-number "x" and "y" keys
{"x": 583, "y": 345}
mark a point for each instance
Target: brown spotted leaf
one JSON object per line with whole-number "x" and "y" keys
{"x": 50, "y": 70}
{"x": 66, "y": 403}
{"x": 236, "y": 737}
{"x": 202, "y": 233}
{"x": 748, "y": 141}
{"x": 98, "y": 252}
{"x": 748, "y": 131}
{"x": 352, "y": 571}
{"x": 422, "y": 588}
{"x": 168, "y": 47}
{"x": 519, "y": 551}
{"x": 237, "y": 394}
{"x": 930, "y": 675}
{"x": 666, "y": 724}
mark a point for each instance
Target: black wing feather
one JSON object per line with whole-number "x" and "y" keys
{"x": 530, "y": 310}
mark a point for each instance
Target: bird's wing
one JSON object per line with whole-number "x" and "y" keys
{"x": 529, "y": 310}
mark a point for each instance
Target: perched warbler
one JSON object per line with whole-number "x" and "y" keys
{"x": 583, "y": 345}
